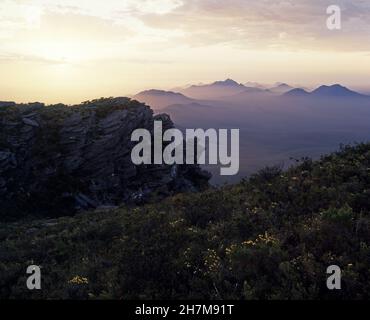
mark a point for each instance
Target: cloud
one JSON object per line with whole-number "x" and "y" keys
{"x": 299, "y": 24}
{"x": 130, "y": 29}
{"x": 260, "y": 24}
{"x": 116, "y": 10}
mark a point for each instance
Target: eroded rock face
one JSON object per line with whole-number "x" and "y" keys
{"x": 56, "y": 159}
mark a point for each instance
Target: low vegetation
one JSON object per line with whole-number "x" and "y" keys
{"x": 270, "y": 237}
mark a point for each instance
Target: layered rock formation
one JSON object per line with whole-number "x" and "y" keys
{"x": 56, "y": 159}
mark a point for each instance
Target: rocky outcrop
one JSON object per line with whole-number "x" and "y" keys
{"x": 56, "y": 159}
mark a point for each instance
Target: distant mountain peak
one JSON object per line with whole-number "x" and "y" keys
{"x": 337, "y": 85}
{"x": 297, "y": 92}
{"x": 159, "y": 99}
{"x": 335, "y": 90}
{"x": 214, "y": 90}
{"x": 159, "y": 93}
{"x": 252, "y": 84}
{"x": 281, "y": 87}
{"x": 332, "y": 87}
{"x": 227, "y": 82}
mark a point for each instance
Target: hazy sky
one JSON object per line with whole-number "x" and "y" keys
{"x": 73, "y": 50}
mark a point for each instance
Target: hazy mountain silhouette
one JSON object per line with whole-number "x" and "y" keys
{"x": 297, "y": 92}
{"x": 159, "y": 99}
{"x": 228, "y": 83}
{"x": 335, "y": 91}
{"x": 214, "y": 90}
{"x": 281, "y": 88}
{"x": 248, "y": 94}
{"x": 220, "y": 92}
{"x": 274, "y": 128}
{"x": 255, "y": 85}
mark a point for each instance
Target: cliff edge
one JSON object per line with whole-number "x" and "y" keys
{"x": 63, "y": 158}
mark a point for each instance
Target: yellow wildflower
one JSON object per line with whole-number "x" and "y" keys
{"x": 79, "y": 280}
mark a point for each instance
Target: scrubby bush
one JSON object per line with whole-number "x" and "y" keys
{"x": 270, "y": 237}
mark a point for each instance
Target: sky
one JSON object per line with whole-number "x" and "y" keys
{"x": 74, "y": 50}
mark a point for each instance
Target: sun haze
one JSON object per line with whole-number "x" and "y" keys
{"x": 69, "y": 51}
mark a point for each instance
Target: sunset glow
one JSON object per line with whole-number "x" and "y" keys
{"x": 69, "y": 51}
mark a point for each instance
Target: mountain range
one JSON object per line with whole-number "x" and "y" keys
{"x": 333, "y": 91}
{"x": 234, "y": 92}
{"x": 276, "y": 121}
{"x": 214, "y": 90}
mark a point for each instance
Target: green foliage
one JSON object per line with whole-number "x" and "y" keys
{"x": 269, "y": 237}
{"x": 104, "y": 106}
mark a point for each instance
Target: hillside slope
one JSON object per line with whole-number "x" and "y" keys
{"x": 270, "y": 237}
